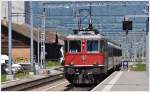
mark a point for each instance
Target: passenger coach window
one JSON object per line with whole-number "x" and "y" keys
{"x": 92, "y": 45}
{"x": 74, "y": 46}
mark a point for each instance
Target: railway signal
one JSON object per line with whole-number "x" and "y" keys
{"x": 127, "y": 25}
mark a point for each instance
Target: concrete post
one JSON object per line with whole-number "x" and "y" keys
{"x": 31, "y": 39}
{"x": 10, "y": 37}
{"x": 147, "y": 48}
{"x": 38, "y": 47}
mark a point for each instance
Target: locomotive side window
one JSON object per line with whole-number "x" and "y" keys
{"x": 102, "y": 46}
{"x": 74, "y": 46}
{"x": 92, "y": 45}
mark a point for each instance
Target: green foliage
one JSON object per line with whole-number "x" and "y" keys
{"x": 19, "y": 75}
{"x": 52, "y": 63}
{"x": 138, "y": 67}
{"x": 22, "y": 75}
{"x": 3, "y": 78}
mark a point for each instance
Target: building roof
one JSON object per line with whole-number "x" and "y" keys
{"x": 25, "y": 30}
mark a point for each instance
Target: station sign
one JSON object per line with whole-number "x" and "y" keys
{"x": 21, "y": 55}
{"x": 21, "y": 60}
{"x": 125, "y": 64}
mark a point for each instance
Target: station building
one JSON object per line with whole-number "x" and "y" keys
{"x": 21, "y": 43}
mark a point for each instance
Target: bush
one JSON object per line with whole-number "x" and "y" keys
{"x": 138, "y": 67}
{"x": 21, "y": 74}
{"x": 52, "y": 63}
{"x": 3, "y": 78}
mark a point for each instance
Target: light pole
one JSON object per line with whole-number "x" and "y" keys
{"x": 147, "y": 48}
{"x": 31, "y": 39}
{"x": 9, "y": 38}
{"x": 43, "y": 63}
{"x": 38, "y": 46}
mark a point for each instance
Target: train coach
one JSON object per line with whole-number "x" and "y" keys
{"x": 89, "y": 57}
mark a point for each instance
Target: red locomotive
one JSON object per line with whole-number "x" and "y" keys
{"x": 89, "y": 56}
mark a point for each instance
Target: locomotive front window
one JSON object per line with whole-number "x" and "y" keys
{"x": 92, "y": 45}
{"x": 74, "y": 46}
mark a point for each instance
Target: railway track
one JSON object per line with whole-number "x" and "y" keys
{"x": 51, "y": 83}
{"x": 31, "y": 83}
{"x": 73, "y": 88}
{"x": 55, "y": 85}
{"x": 60, "y": 85}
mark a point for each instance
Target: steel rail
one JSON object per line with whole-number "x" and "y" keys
{"x": 31, "y": 83}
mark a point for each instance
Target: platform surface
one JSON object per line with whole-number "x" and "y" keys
{"x": 124, "y": 81}
{"x": 30, "y": 78}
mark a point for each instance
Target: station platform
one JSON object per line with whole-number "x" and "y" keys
{"x": 124, "y": 81}
{"x": 30, "y": 78}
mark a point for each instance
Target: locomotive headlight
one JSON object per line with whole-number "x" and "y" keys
{"x": 89, "y": 73}
{"x": 77, "y": 73}
{"x": 77, "y": 70}
{"x": 95, "y": 63}
{"x": 71, "y": 63}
